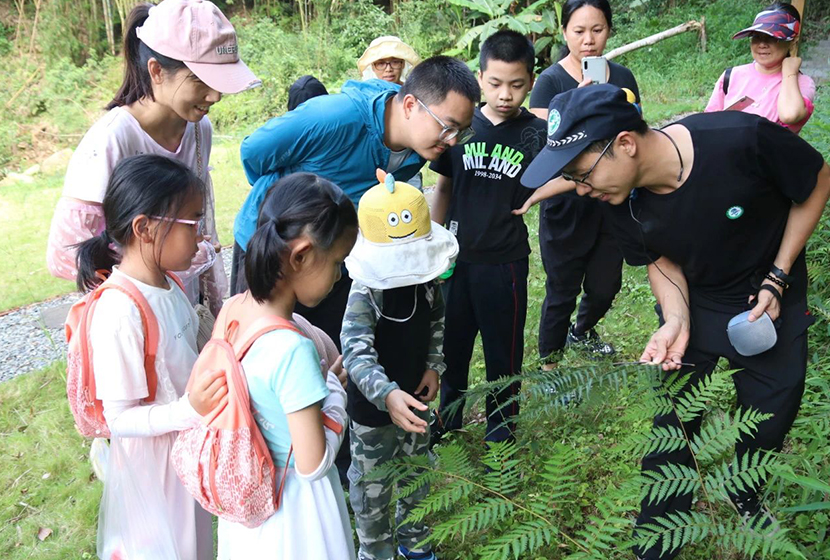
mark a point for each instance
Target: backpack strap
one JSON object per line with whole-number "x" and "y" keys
{"x": 726, "y": 76}
{"x": 148, "y": 322}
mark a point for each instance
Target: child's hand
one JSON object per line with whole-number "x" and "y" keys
{"x": 428, "y": 386}
{"x": 208, "y": 392}
{"x": 398, "y": 403}
{"x": 337, "y": 369}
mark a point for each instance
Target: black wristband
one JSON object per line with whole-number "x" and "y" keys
{"x": 771, "y": 290}
{"x": 776, "y": 281}
{"x": 780, "y": 274}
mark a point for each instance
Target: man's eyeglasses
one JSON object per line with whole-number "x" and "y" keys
{"x": 449, "y": 132}
{"x": 394, "y": 63}
{"x": 197, "y": 225}
{"x": 584, "y": 179}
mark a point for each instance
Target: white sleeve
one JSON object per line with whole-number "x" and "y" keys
{"x": 129, "y": 418}
{"x": 335, "y": 407}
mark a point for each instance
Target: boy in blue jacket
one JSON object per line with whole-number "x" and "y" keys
{"x": 345, "y": 137}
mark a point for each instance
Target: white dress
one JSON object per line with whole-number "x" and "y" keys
{"x": 283, "y": 373}
{"x": 145, "y": 507}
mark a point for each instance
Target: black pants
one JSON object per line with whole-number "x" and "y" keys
{"x": 327, "y": 316}
{"x": 492, "y": 299}
{"x": 771, "y": 382}
{"x": 579, "y": 253}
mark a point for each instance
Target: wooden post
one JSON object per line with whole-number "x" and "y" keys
{"x": 799, "y": 5}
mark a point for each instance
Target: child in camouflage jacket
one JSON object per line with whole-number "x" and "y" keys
{"x": 392, "y": 341}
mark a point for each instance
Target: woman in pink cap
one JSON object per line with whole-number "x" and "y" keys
{"x": 181, "y": 56}
{"x": 771, "y": 86}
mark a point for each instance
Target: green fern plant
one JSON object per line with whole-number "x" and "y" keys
{"x": 509, "y": 505}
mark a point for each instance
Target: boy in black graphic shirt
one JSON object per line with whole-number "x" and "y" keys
{"x": 478, "y": 186}
{"x": 719, "y": 206}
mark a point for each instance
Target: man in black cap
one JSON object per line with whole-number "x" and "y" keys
{"x": 719, "y": 207}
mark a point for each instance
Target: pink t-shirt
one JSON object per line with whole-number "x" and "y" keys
{"x": 764, "y": 90}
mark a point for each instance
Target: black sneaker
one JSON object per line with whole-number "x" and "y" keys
{"x": 590, "y": 342}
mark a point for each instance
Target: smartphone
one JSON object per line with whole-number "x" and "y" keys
{"x": 741, "y": 104}
{"x": 595, "y": 68}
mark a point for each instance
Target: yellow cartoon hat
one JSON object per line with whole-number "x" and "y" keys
{"x": 397, "y": 244}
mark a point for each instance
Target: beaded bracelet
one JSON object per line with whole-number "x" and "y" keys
{"x": 776, "y": 281}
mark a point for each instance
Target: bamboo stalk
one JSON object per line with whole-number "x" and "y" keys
{"x": 688, "y": 26}
{"x": 34, "y": 26}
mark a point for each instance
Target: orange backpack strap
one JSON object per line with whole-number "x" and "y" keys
{"x": 176, "y": 279}
{"x": 148, "y": 322}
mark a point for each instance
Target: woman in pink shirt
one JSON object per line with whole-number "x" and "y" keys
{"x": 772, "y": 83}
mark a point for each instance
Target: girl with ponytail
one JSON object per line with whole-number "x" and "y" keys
{"x": 153, "y": 210}
{"x": 161, "y": 108}
{"x": 305, "y": 229}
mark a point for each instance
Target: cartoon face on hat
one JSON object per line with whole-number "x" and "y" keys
{"x": 393, "y": 211}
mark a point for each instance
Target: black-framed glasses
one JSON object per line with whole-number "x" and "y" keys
{"x": 584, "y": 179}
{"x": 449, "y": 132}
{"x": 394, "y": 63}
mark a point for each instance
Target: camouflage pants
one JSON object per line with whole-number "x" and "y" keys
{"x": 370, "y": 499}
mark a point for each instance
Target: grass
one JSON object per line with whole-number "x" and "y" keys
{"x": 46, "y": 480}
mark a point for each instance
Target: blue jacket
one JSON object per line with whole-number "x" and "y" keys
{"x": 339, "y": 137}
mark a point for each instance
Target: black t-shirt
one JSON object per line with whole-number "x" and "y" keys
{"x": 485, "y": 175}
{"x": 725, "y": 223}
{"x": 555, "y": 79}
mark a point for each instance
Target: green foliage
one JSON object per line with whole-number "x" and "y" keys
{"x": 362, "y": 22}
{"x": 539, "y": 18}
{"x": 483, "y": 501}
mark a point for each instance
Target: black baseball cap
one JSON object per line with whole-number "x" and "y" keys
{"x": 576, "y": 119}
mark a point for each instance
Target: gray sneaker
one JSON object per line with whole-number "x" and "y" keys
{"x": 590, "y": 342}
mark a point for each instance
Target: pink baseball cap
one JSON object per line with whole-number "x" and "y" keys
{"x": 198, "y": 34}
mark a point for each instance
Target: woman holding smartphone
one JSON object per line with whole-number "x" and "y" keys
{"x": 771, "y": 85}
{"x": 577, "y": 246}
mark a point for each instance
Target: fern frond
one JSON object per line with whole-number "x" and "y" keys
{"x": 441, "y": 499}
{"x": 723, "y": 431}
{"x": 661, "y": 439}
{"x": 740, "y": 475}
{"x": 695, "y": 400}
{"x": 669, "y": 481}
{"x": 676, "y": 530}
{"x": 476, "y": 518}
{"x": 523, "y": 539}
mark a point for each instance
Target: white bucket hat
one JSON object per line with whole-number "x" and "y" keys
{"x": 397, "y": 244}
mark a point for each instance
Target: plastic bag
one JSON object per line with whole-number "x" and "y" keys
{"x": 99, "y": 456}
{"x": 133, "y": 522}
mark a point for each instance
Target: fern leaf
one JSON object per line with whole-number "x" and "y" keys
{"x": 476, "y": 518}
{"x": 695, "y": 399}
{"x": 669, "y": 481}
{"x": 525, "y": 538}
{"x": 676, "y": 530}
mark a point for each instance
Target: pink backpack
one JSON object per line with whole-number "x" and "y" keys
{"x": 224, "y": 462}
{"x": 80, "y": 379}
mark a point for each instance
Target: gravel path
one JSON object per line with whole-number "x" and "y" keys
{"x": 26, "y": 344}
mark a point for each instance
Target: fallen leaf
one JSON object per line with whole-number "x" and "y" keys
{"x": 43, "y": 533}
